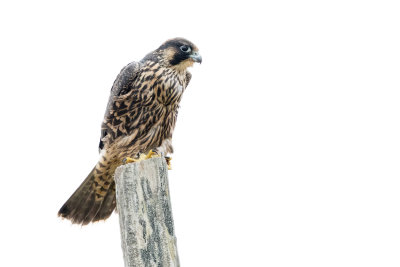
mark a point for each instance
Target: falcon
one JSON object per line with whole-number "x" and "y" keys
{"x": 139, "y": 120}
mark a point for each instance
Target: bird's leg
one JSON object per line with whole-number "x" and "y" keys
{"x": 168, "y": 160}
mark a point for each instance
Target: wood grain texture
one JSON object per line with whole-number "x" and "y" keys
{"x": 145, "y": 214}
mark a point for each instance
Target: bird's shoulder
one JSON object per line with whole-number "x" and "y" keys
{"x": 125, "y": 78}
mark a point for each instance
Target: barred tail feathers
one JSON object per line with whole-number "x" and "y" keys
{"x": 94, "y": 200}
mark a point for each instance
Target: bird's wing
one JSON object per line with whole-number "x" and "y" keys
{"x": 117, "y": 106}
{"x": 123, "y": 83}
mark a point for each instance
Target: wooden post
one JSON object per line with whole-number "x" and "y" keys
{"x": 145, "y": 214}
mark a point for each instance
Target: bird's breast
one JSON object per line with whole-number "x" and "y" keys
{"x": 169, "y": 91}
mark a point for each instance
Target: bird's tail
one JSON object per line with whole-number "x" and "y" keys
{"x": 94, "y": 199}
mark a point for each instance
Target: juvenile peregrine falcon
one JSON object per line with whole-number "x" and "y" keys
{"x": 139, "y": 119}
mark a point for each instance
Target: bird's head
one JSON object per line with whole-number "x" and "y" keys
{"x": 179, "y": 53}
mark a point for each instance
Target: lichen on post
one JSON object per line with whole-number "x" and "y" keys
{"x": 145, "y": 214}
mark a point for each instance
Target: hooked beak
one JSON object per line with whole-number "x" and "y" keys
{"x": 196, "y": 57}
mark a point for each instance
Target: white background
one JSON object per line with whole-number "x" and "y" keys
{"x": 287, "y": 145}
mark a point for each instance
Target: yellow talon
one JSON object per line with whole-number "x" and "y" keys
{"x": 168, "y": 160}
{"x": 129, "y": 160}
{"x": 152, "y": 154}
{"x": 141, "y": 157}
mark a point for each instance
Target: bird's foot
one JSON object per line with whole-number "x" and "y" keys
{"x": 129, "y": 160}
{"x": 141, "y": 157}
{"x": 152, "y": 154}
{"x": 168, "y": 160}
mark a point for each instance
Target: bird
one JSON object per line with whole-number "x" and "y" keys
{"x": 139, "y": 120}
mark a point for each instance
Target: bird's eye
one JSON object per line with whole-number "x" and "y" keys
{"x": 185, "y": 48}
